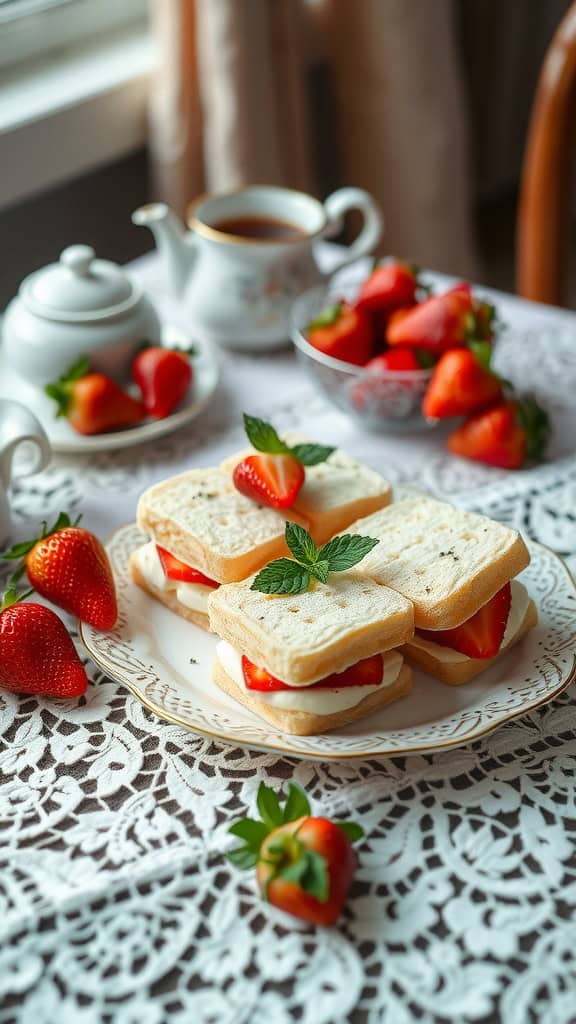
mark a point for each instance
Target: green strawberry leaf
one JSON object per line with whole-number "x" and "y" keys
{"x": 243, "y": 857}
{"x": 283, "y": 576}
{"x": 263, "y": 437}
{"x": 300, "y": 544}
{"x": 326, "y": 317}
{"x": 253, "y": 832}
{"x": 351, "y": 829}
{"x": 314, "y": 880}
{"x": 482, "y": 352}
{"x": 345, "y": 551}
{"x": 269, "y": 807}
{"x": 311, "y": 454}
{"x": 425, "y": 359}
{"x": 535, "y": 421}
{"x": 297, "y": 804}
{"x": 10, "y": 598}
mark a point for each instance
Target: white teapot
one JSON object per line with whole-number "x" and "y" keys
{"x": 250, "y": 253}
{"x": 80, "y": 306}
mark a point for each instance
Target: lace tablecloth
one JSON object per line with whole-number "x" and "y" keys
{"x": 116, "y": 903}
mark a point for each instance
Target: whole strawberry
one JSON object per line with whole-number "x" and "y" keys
{"x": 304, "y": 865}
{"x": 36, "y": 652}
{"x": 164, "y": 377}
{"x": 69, "y": 566}
{"x": 92, "y": 402}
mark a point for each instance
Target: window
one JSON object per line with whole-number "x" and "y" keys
{"x": 32, "y": 29}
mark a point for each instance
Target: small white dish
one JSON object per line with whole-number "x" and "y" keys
{"x": 167, "y": 663}
{"x": 65, "y": 440}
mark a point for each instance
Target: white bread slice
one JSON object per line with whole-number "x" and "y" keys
{"x": 300, "y": 723}
{"x": 448, "y": 562}
{"x": 167, "y": 598}
{"x": 301, "y": 638}
{"x": 202, "y": 519}
{"x": 335, "y": 492}
{"x": 458, "y": 672}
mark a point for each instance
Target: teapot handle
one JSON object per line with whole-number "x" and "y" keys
{"x": 337, "y": 205}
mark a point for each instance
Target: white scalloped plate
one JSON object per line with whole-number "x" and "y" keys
{"x": 64, "y": 439}
{"x": 166, "y": 663}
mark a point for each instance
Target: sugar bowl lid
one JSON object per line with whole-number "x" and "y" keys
{"x": 79, "y": 288}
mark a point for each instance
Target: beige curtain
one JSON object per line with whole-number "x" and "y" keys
{"x": 241, "y": 97}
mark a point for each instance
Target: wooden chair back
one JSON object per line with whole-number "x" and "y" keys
{"x": 544, "y": 209}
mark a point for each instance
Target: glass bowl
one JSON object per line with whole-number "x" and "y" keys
{"x": 389, "y": 401}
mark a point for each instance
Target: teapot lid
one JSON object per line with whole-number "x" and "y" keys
{"x": 79, "y": 288}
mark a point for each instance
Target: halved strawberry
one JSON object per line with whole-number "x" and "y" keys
{"x": 174, "y": 569}
{"x": 272, "y": 479}
{"x": 481, "y": 635}
{"x": 367, "y": 672}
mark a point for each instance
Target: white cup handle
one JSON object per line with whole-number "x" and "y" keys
{"x": 19, "y": 426}
{"x": 338, "y": 204}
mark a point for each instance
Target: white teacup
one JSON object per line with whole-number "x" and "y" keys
{"x": 18, "y": 426}
{"x": 249, "y": 254}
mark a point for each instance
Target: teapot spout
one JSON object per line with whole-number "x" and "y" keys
{"x": 173, "y": 244}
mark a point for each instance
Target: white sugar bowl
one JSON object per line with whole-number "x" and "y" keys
{"x": 80, "y": 306}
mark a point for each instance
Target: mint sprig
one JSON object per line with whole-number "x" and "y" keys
{"x": 264, "y": 438}
{"x": 293, "y": 576}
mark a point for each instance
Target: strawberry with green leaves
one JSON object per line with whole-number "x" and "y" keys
{"x": 462, "y": 383}
{"x": 443, "y": 322}
{"x": 92, "y": 402}
{"x": 342, "y": 332}
{"x": 36, "y": 653}
{"x": 508, "y": 434}
{"x": 294, "y": 575}
{"x": 304, "y": 864}
{"x": 69, "y": 566}
{"x": 274, "y": 476}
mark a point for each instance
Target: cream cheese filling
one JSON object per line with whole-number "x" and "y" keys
{"x": 520, "y": 600}
{"x": 302, "y": 698}
{"x": 191, "y": 595}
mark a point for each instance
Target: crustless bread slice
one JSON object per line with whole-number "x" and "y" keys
{"x": 448, "y": 562}
{"x": 202, "y": 519}
{"x": 301, "y": 723}
{"x": 335, "y": 492}
{"x": 301, "y": 638}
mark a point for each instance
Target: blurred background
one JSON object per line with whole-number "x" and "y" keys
{"x": 105, "y": 104}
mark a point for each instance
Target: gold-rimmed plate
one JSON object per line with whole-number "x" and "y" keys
{"x": 167, "y": 663}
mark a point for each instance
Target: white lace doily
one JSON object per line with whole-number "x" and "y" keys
{"x": 116, "y": 903}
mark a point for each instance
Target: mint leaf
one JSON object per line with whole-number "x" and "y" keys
{"x": 311, "y": 454}
{"x": 283, "y": 576}
{"x": 345, "y": 551}
{"x": 320, "y": 570}
{"x": 314, "y": 880}
{"x": 269, "y": 806}
{"x": 253, "y": 832}
{"x": 300, "y": 544}
{"x": 263, "y": 437}
{"x": 297, "y": 805}
{"x": 243, "y": 857}
{"x": 482, "y": 352}
{"x": 351, "y": 829}
{"x": 326, "y": 317}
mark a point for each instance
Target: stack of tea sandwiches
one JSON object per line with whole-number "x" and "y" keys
{"x": 320, "y": 589}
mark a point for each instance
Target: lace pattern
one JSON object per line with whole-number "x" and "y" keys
{"x": 117, "y": 904}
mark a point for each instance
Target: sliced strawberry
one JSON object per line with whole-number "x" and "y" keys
{"x": 174, "y": 569}
{"x": 367, "y": 672}
{"x": 274, "y": 480}
{"x": 481, "y": 635}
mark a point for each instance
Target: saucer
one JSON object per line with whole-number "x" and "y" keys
{"x": 65, "y": 440}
